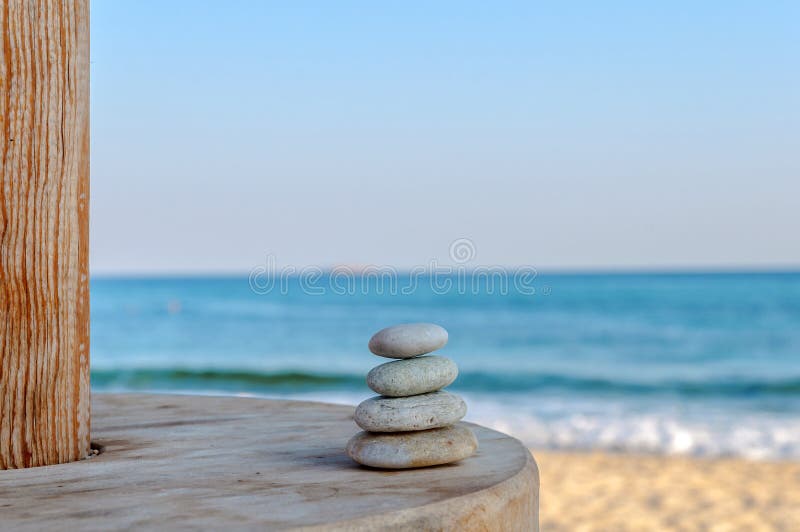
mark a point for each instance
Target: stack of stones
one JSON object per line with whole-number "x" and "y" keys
{"x": 412, "y": 423}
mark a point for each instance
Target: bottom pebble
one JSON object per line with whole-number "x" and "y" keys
{"x": 405, "y": 450}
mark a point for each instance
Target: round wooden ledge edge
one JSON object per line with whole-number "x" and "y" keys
{"x": 172, "y": 462}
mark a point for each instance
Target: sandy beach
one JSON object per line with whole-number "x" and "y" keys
{"x": 602, "y": 491}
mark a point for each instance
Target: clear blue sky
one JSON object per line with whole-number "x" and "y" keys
{"x": 560, "y": 135}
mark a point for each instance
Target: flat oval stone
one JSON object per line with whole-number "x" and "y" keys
{"x": 408, "y": 340}
{"x": 412, "y": 376}
{"x": 418, "y": 412}
{"x": 413, "y": 449}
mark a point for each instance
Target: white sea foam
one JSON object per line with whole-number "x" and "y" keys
{"x": 700, "y": 431}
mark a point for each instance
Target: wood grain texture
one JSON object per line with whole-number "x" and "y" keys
{"x": 173, "y": 462}
{"x": 44, "y": 232}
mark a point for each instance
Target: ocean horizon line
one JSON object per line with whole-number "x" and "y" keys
{"x": 560, "y": 272}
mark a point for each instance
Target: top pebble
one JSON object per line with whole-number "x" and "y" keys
{"x": 408, "y": 340}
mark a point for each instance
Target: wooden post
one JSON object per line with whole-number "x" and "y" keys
{"x": 44, "y": 232}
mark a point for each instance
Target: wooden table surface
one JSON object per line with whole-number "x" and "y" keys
{"x": 214, "y": 463}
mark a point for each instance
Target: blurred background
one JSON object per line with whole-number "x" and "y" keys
{"x": 599, "y": 201}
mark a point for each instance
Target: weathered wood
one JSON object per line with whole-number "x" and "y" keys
{"x": 222, "y": 463}
{"x": 44, "y": 209}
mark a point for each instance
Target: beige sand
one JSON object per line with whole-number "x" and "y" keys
{"x": 615, "y": 492}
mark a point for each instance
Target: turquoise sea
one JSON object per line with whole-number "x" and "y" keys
{"x": 704, "y": 364}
